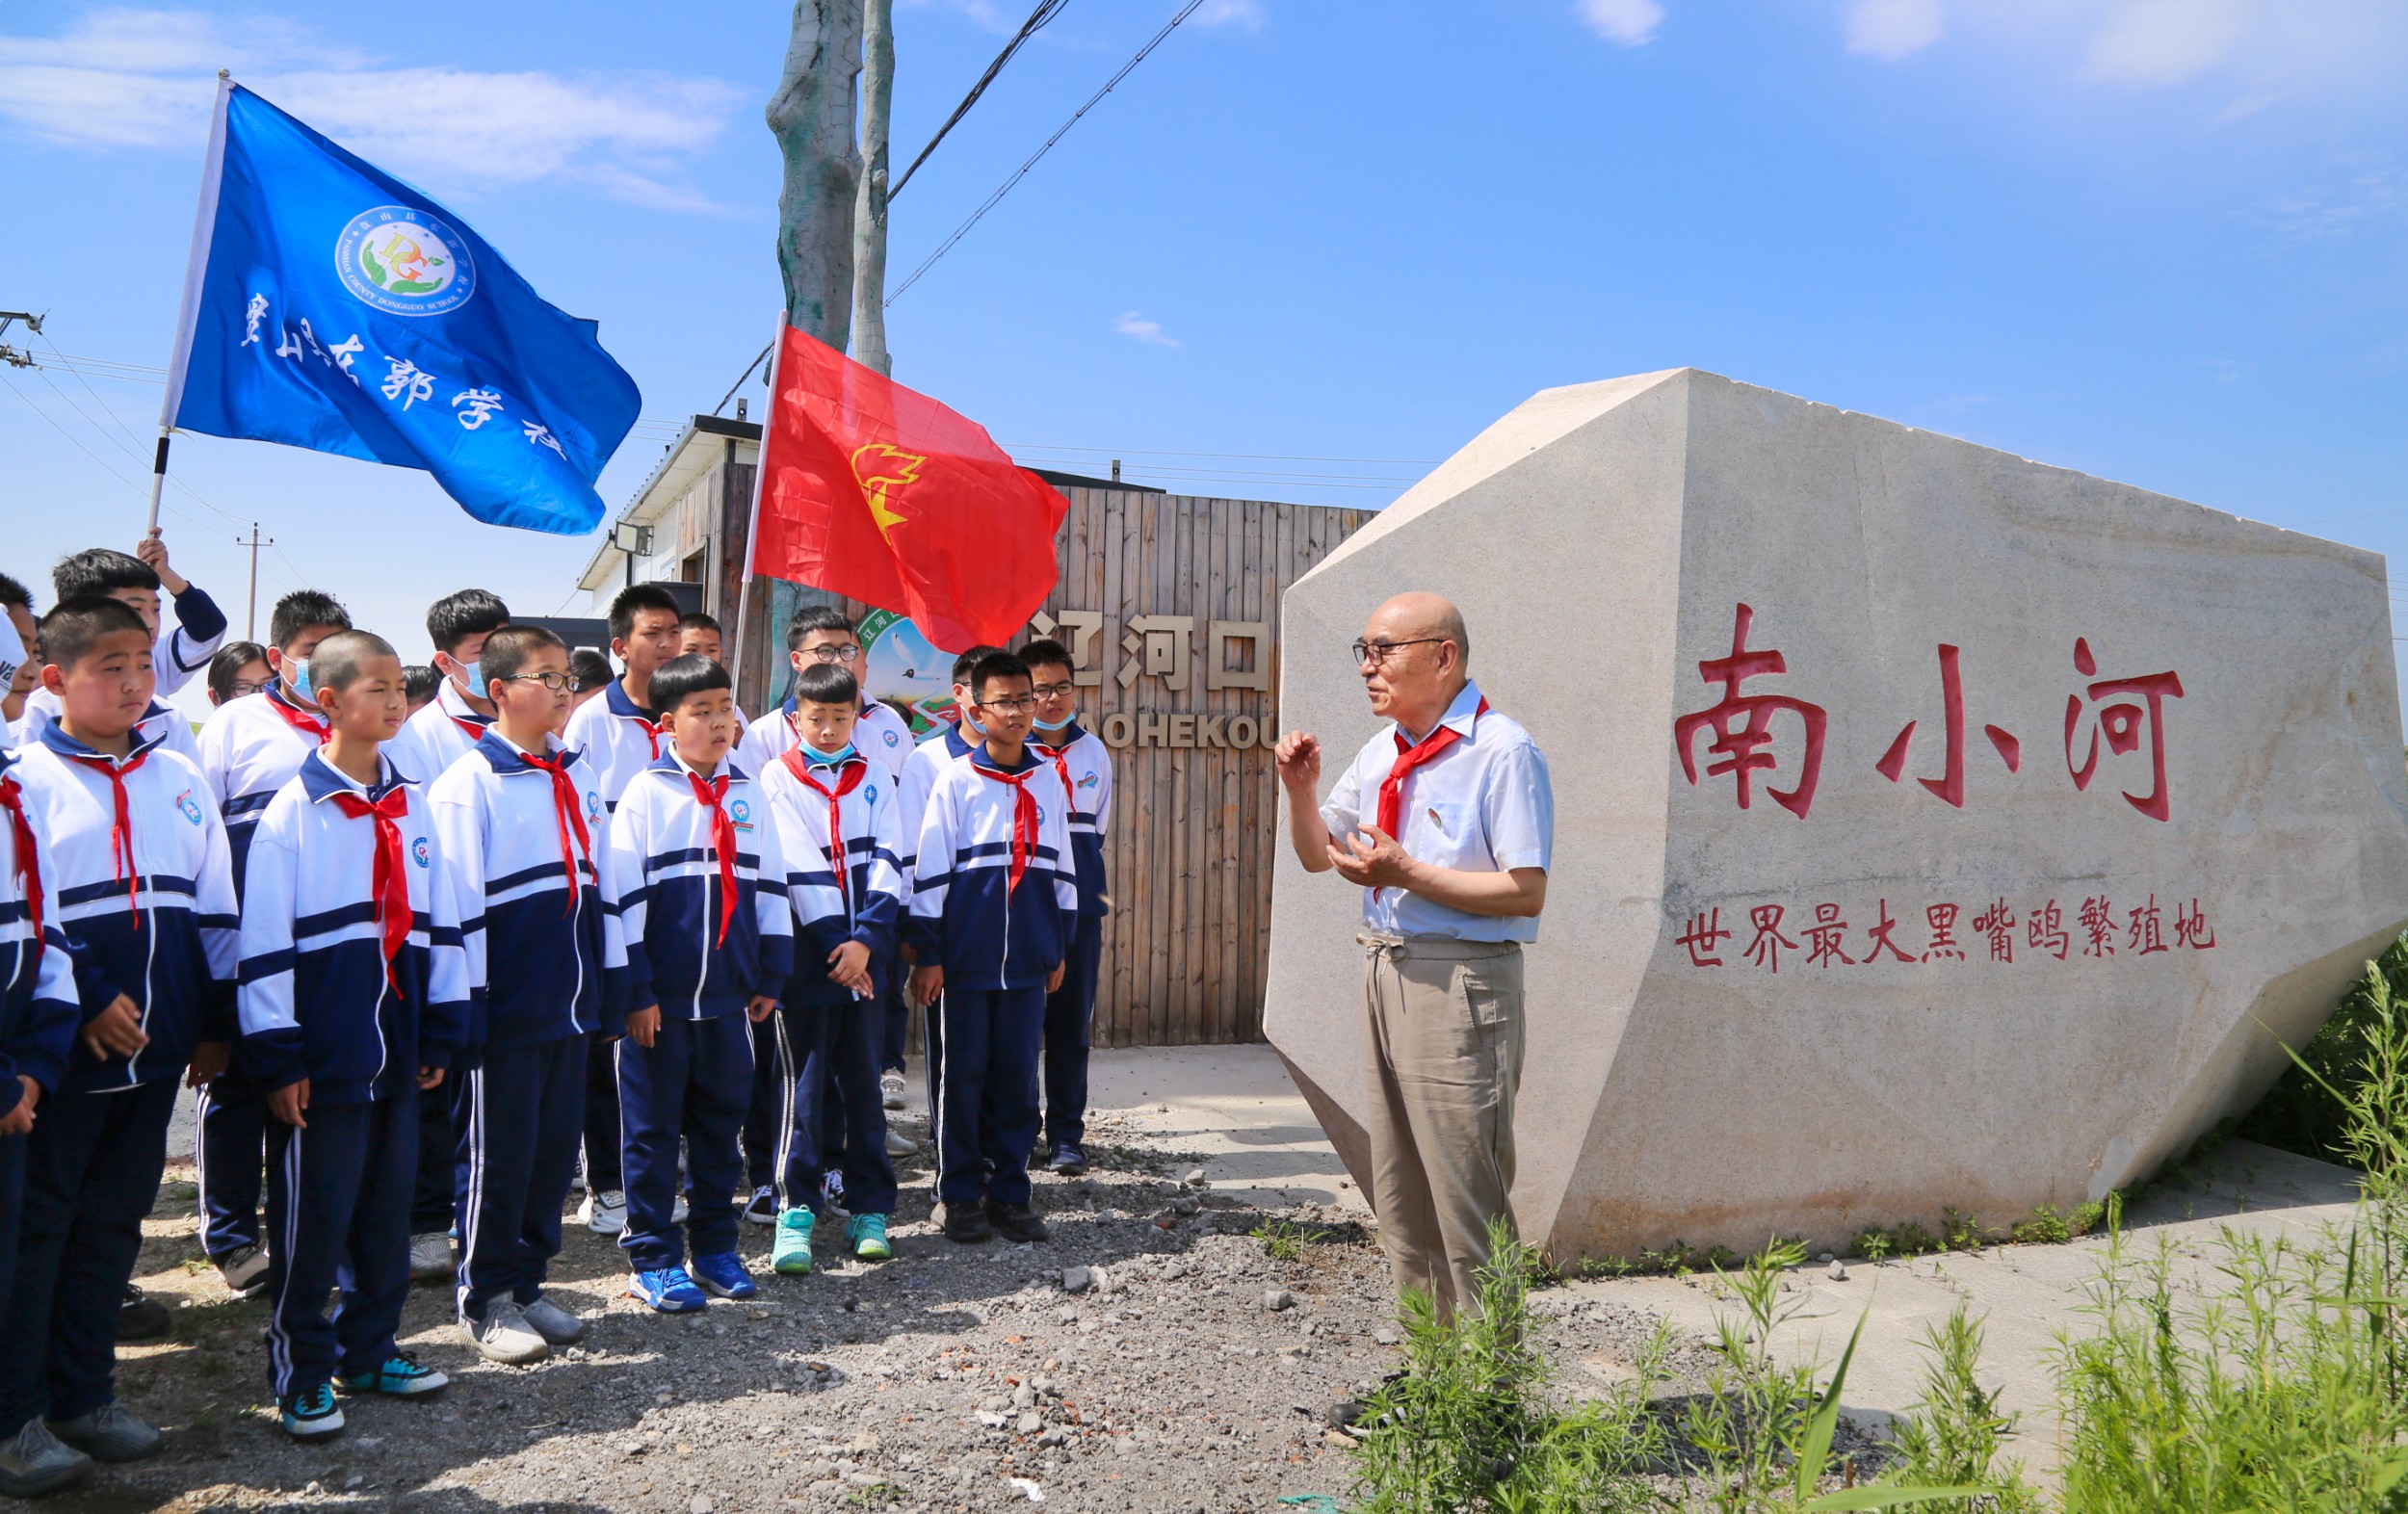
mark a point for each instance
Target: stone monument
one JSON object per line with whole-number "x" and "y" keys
{"x": 1936, "y": 828}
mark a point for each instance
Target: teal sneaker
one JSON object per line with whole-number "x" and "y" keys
{"x": 791, "y": 1252}
{"x": 311, "y": 1413}
{"x": 399, "y": 1377}
{"x": 868, "y": 1234}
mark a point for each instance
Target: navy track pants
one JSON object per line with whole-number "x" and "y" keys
{"x": 517, "y": 1116}
{"x": 339, "y": 1191}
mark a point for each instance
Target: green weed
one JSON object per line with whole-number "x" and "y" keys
{"x": 1956, "y": 1432}
{"x": 1284, "y": 1240}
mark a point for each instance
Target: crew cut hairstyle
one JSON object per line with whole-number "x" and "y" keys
{"x": 635, "y": 597}
{"x": 456, "y": 617}
{"x": 698, "y": 621}
{"x": 75, "y": 626}
{"x": 510, "y": 649}
{"x": 995, "y": 664}
{"x": 1046, "y": 652}
{"x": 298, "y": 611}
{"x": 226, "y": 664}
{"x": 12, "y": 593}
{"x": 100, "y": 570}
{"x": 967, "y": 664}
{"x": 825, "y": 683}
{"x": 680, "y": 678}
{"x": 341, "y": 658}
{"x": 817, "y": 618}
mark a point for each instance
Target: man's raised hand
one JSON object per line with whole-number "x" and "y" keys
{"x": 1299, "y": 757}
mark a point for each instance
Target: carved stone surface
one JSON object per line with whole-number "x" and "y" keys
{"x": 1935, "y": 828}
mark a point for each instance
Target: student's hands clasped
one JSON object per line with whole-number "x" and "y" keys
{"x": 643, "y": 1026}
{"x": 849, "y": 967}
{"x": 117, "y": 1030}
{"x": 19, "y": 1121}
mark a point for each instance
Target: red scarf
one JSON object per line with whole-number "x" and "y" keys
{"x": 28, "y": 864}
{"x": 854, "y": 769}
{"x": 1061, "y": 766}
{"x": 571, "y": 816}
{"x": 1023, "y": 819}
{"x": 389, "y": 879}
{"x": 471, "y": 729}
{"x": 121, "y": 827}
{"x": 710, "y": 792}
{"x": 309, "y": 725}
{"x": 1409, "y": 756}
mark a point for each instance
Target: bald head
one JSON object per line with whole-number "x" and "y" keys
{"x": 1424, "y": 664}
{"x": 1411, "y": 616}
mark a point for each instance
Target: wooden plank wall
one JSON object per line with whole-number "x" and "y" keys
{"x": 1190, "y": 842}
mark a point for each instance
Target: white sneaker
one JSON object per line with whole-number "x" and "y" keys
{"x": 430, "y": 1257}
{"x": 605, "y": 1214}
{"x": 505, "y": 1336}
{"x": 890, "y": 1085}
{"x": 243, "y": 1269}
{"x": 897, "y": 1144}
{"x": 553, "y": 1323}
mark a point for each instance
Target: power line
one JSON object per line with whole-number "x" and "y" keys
{"x": 1022, "y": 172}
{"x": 1046, "y": 11}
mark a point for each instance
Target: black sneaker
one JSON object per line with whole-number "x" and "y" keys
{"x": 1016, "y": 1221}
{"x": 1069, "y": 1161}
{"x": 763, "y": 1210}
{"x": 143, "y": 1317}
{"x": 965, "y": 1225}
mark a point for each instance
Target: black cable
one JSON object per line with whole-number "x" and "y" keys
{"x": 1046, "y": 11}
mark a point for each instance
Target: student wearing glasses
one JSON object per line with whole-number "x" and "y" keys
{"x": 238, "y": 668}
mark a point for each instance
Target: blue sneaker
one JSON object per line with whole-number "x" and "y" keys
{"x": 399, "y": 1377}
{"x": 868, "y": 1233}
{"x": 311, "y": 1413}
{"x": 724, "y": 1276}
{"x": 670, "y": 1290}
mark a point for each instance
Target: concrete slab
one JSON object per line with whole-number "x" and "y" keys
{"x": 1235, "y": 1107}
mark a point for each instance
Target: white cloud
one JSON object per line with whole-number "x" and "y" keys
{"x": 2158, "y": 42}
{"x": 1148, "y": 331}
{"x": 1629, "y": 22}
{"x": 1244, "y": 15}
{"x": 127, "y": 78}
{"x": 1893, "y": 29}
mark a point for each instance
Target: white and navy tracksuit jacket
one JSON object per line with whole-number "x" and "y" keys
{"x": 545, "y": 957}
{"x": 439, "y": 734}
{"x": 186, "y": 650}
{"x": 880, "y": 734}
{"x": 169, "y": 944}
{"x": 944, "y": 747}
{"x": 250, "y": 749}
{"x": 966, "y": 916}
{"x": 619, "y": 738}
{"x": 317, "y": 999}
{"x": 671, "y": 888}
{"x": 162, "y": 722}
{"x": 868, "y": 906}
{"x": 1088, "y": 763}
{"x": 39, "y": 1008}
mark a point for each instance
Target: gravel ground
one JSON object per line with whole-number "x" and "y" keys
{"x": 1189, "y": 1373}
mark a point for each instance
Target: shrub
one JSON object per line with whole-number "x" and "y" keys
{"x": 2306, "y": 1108}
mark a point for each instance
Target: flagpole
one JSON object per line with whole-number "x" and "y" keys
{"x": 752, "y": 522}
{"x": 196, "y": 271}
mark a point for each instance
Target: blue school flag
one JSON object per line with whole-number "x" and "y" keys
{"x": 331, "y": 306}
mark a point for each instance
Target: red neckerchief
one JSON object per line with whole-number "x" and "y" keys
{"x": 569, "y": 815}
{"x": 1409, "y": 756}
{"x": 28, "y": 865}
{"x": 472, "y": 729}
{"x": 1023, "y": 819}
{"x": 854, "y": 769}
{"x": 389, "y": 880}
{"x": 710, "y": 792}
{"x": 307, "y": 724}
{"x": 120, "y": 826}
{"x": 1062, "y": 768}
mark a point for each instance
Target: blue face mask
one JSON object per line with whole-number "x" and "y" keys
{"x": 297, "y": 679}
{"x": 1062, "y": 724}
{"x": 818, "y": 758}
{"x": 476, "y": 679}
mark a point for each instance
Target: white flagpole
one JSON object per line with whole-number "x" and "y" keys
{"x": 752, "y": 522}
{"x": 195, "y": 273}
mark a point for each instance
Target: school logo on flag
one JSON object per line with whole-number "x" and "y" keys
{"x": 405, "y": 262}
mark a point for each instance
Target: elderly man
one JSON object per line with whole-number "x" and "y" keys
{"x": 1447, "y": 821}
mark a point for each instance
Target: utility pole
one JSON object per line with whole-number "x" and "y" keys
{"x": 811, "y": 116}
{"x": 251, "y": 616}
{"x": 869, "y": 218}
{"x": 19, "y": 358}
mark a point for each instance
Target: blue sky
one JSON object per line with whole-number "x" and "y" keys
{"x": 1306, "y": 249}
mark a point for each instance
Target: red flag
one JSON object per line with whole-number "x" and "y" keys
{"x": 879, "y": 493}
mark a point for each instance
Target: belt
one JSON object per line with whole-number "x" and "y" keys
{"x": 1444, "y": 948}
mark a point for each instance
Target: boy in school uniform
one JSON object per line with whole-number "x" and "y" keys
{"x": 140, "y": 875}
{"x": 698, "y": 636}
{"x": 21, "y": 671}
{"x": 520, "y": 825}
{"x": 455, "y": 719}
{"x": 354, "y": 996}
{"x": 39, "y": 1016}
{"x": 708, "y": 945}
{"x": 1085, "y": 766}
{"x": 994, "y": 907}
{"x": 619, "y": 733}
{"x": 834, "y": 813}
{"x": 182, "y": 651}
{"x": 249, "y": 751}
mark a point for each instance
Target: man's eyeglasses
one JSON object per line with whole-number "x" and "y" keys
{"x": 1053, "y": 690}
{"x": 1376, "y": 652}
{"x": 845, "y": 653}
{"x": 555, "y": 682}
{"x": 1017, "y": 704}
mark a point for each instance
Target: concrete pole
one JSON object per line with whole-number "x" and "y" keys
{"x": 811, "y": 116}
{"x": 869, "y": 219}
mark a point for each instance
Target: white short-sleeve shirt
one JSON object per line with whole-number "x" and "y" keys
{"x": 1484, "y": 804}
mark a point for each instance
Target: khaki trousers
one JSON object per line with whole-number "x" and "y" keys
{"x": 1445, "y": 1056}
